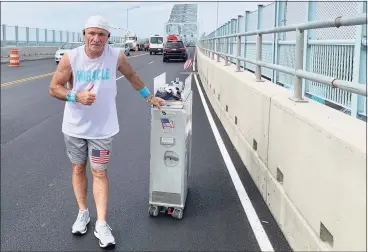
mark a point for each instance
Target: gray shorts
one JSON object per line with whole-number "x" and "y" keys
{"x": 97, "y": 150}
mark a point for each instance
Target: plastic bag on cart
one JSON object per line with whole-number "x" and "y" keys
{"x": 176, "y": 90}
{"x": 171, "y": 91}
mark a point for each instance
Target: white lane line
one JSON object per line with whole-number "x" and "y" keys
{"x": 137, "y": 55}
{"x": 260, "y": 234}
{"x": 120, "y": 77}
{"x": 150, "y": 62}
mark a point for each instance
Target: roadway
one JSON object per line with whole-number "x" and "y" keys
{"x": 38, "y": 206}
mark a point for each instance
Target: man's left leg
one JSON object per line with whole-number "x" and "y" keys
{"x": 99, "y": 155}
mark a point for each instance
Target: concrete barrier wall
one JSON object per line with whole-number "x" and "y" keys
{"x": 27, "y": 53}
{"x": 307, "y": 160}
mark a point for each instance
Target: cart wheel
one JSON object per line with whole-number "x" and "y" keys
{"x": 177, "y": 213}
{"x": 153, "y": 210}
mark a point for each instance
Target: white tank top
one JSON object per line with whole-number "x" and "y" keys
{"x": 100, "y": 119}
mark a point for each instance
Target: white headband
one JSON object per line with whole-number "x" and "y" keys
{"x": 97, "y": 22}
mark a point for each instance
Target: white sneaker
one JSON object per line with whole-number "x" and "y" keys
{"x": 80, "y": 224}
{"x": 103, "y": 233}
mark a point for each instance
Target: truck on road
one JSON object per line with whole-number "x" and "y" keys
{"x": 133, "y": 41}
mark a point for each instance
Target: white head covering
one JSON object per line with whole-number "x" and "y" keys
{"x": 97, "y": 22}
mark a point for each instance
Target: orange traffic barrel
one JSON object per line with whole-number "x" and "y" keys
{"x": 14, "y": 57}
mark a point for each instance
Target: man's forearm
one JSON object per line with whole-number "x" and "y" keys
{"x": 59, "y": 92}
{"x": 135, "y": 80}
{"x": 127, "y": 70}
{"x": 62, "y": 77}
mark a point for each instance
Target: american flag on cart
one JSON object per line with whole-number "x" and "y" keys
{"x": 188, "y": 63}
{"x": 166, "y": 123}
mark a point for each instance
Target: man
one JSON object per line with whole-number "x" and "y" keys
{"x": 90, "y": 118}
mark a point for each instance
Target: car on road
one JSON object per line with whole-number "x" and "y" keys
{"x": 123, "y": 48}
{"x": 146, "y": 45}
{"x": 175, "y": 49}
{"x": 65, "y": 48}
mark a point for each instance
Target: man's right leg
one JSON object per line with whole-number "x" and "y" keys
{"x": 77, "y": 153}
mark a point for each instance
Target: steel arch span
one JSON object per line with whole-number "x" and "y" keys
{"x": 183, "y": 22}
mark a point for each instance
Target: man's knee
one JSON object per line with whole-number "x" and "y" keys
{"x": 79, "y": 168}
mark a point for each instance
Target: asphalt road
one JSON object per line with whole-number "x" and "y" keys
{"x": 38, "y": 206}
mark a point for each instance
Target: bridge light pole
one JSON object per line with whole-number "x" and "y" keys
{"x": 134, "y": 7}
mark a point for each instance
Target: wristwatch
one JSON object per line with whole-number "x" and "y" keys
{"x": 149, "y": 97}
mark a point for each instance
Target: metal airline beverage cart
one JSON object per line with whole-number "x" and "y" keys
{"x": 170, "y": 147}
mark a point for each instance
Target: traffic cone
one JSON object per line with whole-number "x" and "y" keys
{"x": 14, "y": 58}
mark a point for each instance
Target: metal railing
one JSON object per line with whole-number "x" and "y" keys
{"x": 26, "y": 36}
{"x": 327, "y": 51}
{"x": 298, "y": 72}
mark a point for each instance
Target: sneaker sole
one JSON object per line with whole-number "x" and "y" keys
{"x": 82, "y": 232}
{"x": 110, "y": 244}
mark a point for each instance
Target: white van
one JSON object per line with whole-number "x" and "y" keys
{"x": 156, "y": 44}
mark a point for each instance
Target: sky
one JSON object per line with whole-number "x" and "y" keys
{"x": 148, "y": 19}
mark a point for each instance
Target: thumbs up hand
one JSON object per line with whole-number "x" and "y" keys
{"x": 86, "y": 97}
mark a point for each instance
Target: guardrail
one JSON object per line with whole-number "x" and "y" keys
{"x": 327, "y": 51}
{"x": 298, "y": 72}
{"x": 29, "y": 53}
{"x": 25, "y": 36}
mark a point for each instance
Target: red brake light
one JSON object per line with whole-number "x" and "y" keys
{"x": 166, "y": 48}
{"x": 182, "y": 49}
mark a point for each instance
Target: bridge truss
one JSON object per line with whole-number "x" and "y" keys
{"x": 183, "y": 22}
